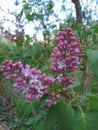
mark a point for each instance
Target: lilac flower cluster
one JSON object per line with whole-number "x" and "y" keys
{"x": 66, "y": 55}
{"x": 29, "y": 81}
{"x": 65, "y": 59}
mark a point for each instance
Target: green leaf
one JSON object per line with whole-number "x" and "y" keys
{"x": 44, "y": 67}
{"x": 19, "y": 108}
{"x": 53, "y": 26}
{"x": 21, "y": 12}
{"x": 30, "y": 121}
{"x": 93, "y": 60}
{"x": 23, "y": 108}
{"x": 76, "y": 84}
{"x": 40, "y": 125}
{"x": 93, "y": 102}
{"x": 28, "y": 109}
{"x": 50, "y": 5}
{"x": 65, "y": 116}
{"x": 85, "y": 121}
{"x": 89, "y": 94}
{"x": 31, "y": 50}
{"x": 38, "y": 16}
{"x": 51, "y": 118}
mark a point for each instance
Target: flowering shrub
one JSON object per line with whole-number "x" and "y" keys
{"x": 50, "y": 108}
{"x": 34, "y": 85}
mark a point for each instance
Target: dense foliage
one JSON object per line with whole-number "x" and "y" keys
{"x": 55, "y": 81}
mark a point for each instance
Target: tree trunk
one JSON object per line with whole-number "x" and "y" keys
{"x": 78, "y": 11}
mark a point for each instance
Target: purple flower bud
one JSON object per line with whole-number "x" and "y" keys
{"x": 29, "y": 97}
{"x": 8, "y": 77}
{"x": 49, "y": 101}
{"x": 14, "y": 76}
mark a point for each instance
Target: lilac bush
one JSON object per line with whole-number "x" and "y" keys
{"x": 34, "y": 84}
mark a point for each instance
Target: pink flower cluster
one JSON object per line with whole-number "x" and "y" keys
{"x": 29, "y": 81}
{"x": 66, "y": 55}
{"x": 65, "y": 59}
{"x": 32, "y": 83}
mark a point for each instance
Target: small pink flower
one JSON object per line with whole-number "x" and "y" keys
{"x": 26, "y": 71}
{"x": 29, "y": 97}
